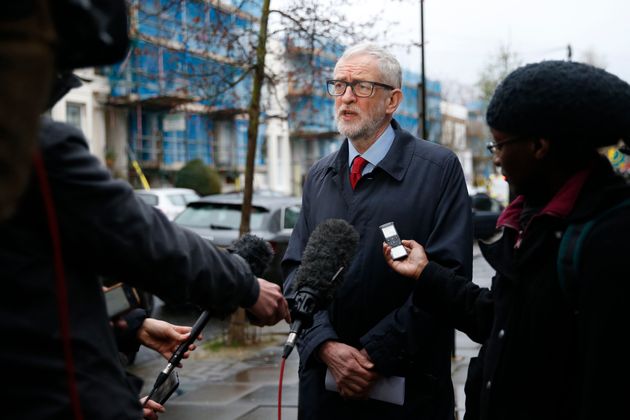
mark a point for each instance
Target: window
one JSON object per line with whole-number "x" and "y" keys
{"x": 290, "y": 217}
{"x": 74, "y": 114}
{"x": 150, "y": 199}
{"x": 220, "y": 216}
{"x": 190, "y": 197}
{"x": 225, "y": 143}
{"x": 177, "y": 199}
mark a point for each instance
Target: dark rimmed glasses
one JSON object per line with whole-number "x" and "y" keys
{"x": 360, "y": 88}
{"x": 493, "y": 147}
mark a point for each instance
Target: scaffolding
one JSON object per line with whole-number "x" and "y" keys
{"x": 183, "y": 73}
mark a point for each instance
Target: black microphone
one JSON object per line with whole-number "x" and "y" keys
{"x": 258, "y": 254}
{"x": 327, "y": 253}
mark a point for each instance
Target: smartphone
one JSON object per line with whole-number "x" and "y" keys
{"x": 392, "y": 239}
{"x": 167, "y": 388}
{"x": 120, "y": 299}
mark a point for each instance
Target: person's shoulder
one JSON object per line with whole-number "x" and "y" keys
{"x": 53, "y": 132}
{"x": 433, "y": 152}
{"x": 424, "y": 148}
{"x": 323, "y": 164}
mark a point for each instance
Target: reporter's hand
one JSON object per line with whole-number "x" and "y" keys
{"x": 149, "y": 412}
{"x": 271, "y": 306}
{"x": 164, "y": 337}
{"x": 411, "y": 266}
{"x": 351, "y": 368}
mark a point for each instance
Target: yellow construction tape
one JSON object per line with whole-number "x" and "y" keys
{"x": 143, "y": 179}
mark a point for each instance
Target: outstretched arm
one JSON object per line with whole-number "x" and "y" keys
{"x": 443, "y": 293}
{"x": 164, "y": 337}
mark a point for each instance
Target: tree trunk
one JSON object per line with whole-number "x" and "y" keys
{"x": 236, "y": 332}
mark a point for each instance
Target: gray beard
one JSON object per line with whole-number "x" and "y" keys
{"x": 360, "y": 132}
{"x": 354, "y": 132}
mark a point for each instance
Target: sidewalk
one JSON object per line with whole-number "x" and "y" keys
{"x": 245, "y": 386}
{"x": 243, "y": 383}
{"x": 231, "y": 384}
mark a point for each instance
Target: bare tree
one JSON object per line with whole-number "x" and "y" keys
{"x": 233, "y": 39}
{"x": 310, "y": 31}
{"x": 457, "y": 92}
{"x": 497, "y": 68}
{"x": 592, "y": 57}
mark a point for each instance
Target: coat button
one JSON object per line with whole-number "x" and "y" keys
{"x": 488, "y": 384}
{"x": 501, "y": 333}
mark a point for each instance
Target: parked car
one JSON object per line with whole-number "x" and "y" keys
{"x": 171, "y": 201}
{"x": 218, "y": 219}
{"x": 486, "y": 211}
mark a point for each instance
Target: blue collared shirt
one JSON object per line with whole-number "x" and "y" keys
{"x": 375, "y": 153}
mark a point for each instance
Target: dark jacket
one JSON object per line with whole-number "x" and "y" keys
{"x": 547, "y": 356}
{"x": 419, "y": 186}
{"x": 105, "y": 230}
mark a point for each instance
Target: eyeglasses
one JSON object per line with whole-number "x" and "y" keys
{"x": 493, "y": 147}
{"x": 360, "y": 88}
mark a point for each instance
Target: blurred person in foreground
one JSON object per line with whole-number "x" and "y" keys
{"x": 73, "y": 224}
{"x": 381, "y": 174}
{"x": 27, "y": 39}
{"x": 551, "y": 338}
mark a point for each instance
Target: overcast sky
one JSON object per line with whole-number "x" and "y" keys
{"x": 462, "y": 35}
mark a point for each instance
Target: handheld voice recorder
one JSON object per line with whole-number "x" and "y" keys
{"x": 392, "y": 239}
{"x": 120, "y": 299}
{"x": 165, "y": 390}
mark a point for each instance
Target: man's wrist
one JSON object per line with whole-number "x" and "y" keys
{"x": 323, "y": 349}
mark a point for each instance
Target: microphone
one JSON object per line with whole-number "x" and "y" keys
{"x": 256, "y": 251}
{"x": 327, "y": 253}
{"x": 258, "y": 254}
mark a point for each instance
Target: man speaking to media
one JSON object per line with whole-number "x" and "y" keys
{"x": 371, "y": 331}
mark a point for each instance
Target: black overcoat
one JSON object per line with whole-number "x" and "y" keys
{"x": 105, "y": 230}
{"x": 548, "y": 355}
{"x": 420, "y": 186}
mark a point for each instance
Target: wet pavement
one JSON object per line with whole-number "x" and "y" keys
{"x": 231, "y": 383}
{"x": 242, "y": 383}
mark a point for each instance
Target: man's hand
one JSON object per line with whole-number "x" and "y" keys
{"x": 351, "y": 368}
{"x": 411, "y": 266}
{"x": 271, "y": 305}
{"x": 164, "y": 337}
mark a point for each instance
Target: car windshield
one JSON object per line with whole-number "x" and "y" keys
{"x": 150, "y": 199}
{"x": 177, "y": 200}
{"x": 190, "y": 197}
{"x": 220, "y": 216}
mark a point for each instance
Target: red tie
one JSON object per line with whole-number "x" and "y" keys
{"x": 355, "y": 172}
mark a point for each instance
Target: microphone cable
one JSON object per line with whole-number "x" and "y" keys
{"x": 60, "y": 282}
{"x": 284, "y": 360}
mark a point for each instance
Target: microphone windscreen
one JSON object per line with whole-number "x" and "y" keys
{"x": 330, "y": 247}
{"x": 256, "y": 251}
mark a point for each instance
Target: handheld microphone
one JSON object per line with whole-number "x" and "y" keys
{"x": 327, "y": 253}
{"x": 258, "y": 254}
{"x": 256, "y": 251}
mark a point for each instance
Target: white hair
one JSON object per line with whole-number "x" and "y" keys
{"x": 388, "y": 65}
